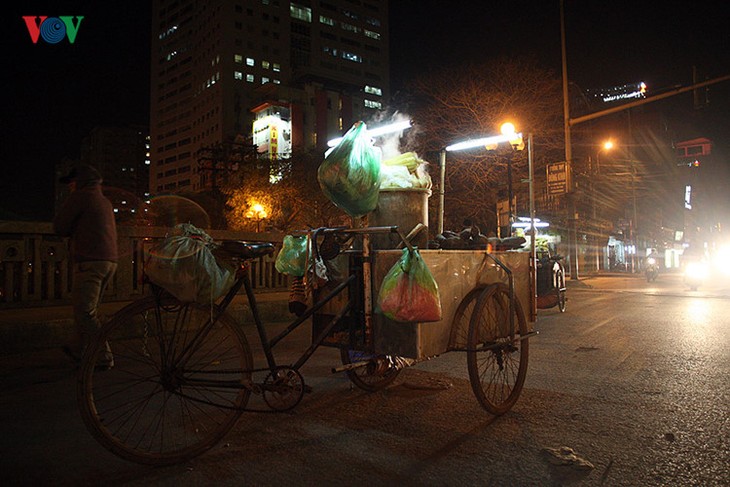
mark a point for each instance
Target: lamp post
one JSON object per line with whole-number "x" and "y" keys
{"x": 508, "y": 129}
{"x": 465, "y": 145}
{"x": 256, "y": 213}
{"x": 606, "y": 146}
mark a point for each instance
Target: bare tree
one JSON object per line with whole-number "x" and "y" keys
{"x": 453, "y": 105}
{"x": 287, "y": 189}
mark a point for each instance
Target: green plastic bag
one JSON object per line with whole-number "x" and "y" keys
{"x": 292, "y": 258}
{"x": 350, "y": 175}
{"x": 409, "y": 292}
{"x": 184, "y": 265}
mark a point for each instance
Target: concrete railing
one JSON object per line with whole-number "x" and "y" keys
{"x": 35, "y": 269}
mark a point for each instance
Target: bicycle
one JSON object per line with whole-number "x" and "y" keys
{"x": 184, "y": 372}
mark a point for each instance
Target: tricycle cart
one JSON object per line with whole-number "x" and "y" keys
{"x": 183, "y": 371}
{"x": 483, "y": 297}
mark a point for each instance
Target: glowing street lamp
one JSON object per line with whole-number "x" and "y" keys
{"x": 256, "y": 213}
{"x": 516, "y": 141}
{"x": 508, "y": 135}
{"x": 459, "y": 146}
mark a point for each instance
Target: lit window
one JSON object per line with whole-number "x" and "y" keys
{"x": 250, "y": 61}
{"x": 250, "y": 78}
{"x": 373, "y": 104}
{"x": 264, "y": 80}
{"x": 326, "y": 20}
{"x": 265, "y": 64}
{"x": 237, "y": 75}
{"x": 301, "y": 13}
{"x": 237, "y": 58}
{"x": 277, "y": 67}
{"x": 371, "y": 34}
{"x": 351, "y": 57}
{"x": 277, "y": 81}
{"x": 349, "y": 27}
{"x": 373, "y": 90}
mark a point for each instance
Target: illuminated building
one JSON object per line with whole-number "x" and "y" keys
{"x": 304, "y": 71}
{"x": 618, "y": 93}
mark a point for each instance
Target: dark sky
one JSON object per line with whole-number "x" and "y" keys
{"x": 56, "y": 93}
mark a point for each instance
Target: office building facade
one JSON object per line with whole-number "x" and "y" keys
{"x": 280, "y": 75}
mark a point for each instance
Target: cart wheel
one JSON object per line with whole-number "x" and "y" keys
{"x": 560, "y": 288}
{"x": 460, "y": 324}
{"x": 376, "y": 375}
{"x": 497, "y": 362}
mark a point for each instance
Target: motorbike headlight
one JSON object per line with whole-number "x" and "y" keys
{"x": 651, "y": 261}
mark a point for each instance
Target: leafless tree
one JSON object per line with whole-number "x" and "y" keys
{"x": 287, "y": 189}
{"x": 452, "y": 105}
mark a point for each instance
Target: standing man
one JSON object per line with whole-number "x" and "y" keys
{"x": 87, "y": 217}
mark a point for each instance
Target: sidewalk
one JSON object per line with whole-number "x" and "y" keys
{"x": 25, "y": 330}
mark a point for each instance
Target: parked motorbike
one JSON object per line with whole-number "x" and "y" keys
{"x": 652, "y": 269}
{"x": 695, "y": 274}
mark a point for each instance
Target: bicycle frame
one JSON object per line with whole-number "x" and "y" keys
{"x": 267, "y": 344}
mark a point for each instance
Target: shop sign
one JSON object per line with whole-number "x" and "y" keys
{"x": 557, "y": 178}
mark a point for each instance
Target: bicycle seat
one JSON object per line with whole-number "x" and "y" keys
{"x": 246, "y": 250}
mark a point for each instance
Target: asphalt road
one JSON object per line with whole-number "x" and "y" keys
{"x": 633, "y": 378}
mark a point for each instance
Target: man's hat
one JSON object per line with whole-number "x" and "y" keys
{"x": 82, "y": 174}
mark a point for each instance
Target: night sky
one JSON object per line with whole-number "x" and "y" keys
{"x": 55, "y": 94}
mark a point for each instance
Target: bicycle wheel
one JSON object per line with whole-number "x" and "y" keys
{"x": 164, "y": 401}
{"x": 497, "y": 363}
{"x": 377, "y": 374}
{"x": 560, "y": 288}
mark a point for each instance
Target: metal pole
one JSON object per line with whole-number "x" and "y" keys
{"x": 509, "y": 193}
{"x": 572, "y": 231}
{"x": 442, "y": 167}
{"x": 533, "y": 250}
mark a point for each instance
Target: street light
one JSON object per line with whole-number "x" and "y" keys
{"x": 595, "y": 170}
{"x": 256, "y": 213}
{"x": 464, "y": 145}
{"x": 508, "y": 129}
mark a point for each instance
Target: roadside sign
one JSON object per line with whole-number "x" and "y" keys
{"x": 557, "y": 178}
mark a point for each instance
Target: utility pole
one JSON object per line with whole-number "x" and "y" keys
{"x": 572, "y": 232}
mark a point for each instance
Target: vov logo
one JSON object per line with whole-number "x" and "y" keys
{"x": 53, "y": 29}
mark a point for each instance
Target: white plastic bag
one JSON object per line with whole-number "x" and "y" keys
{"x": 184, "y": 265}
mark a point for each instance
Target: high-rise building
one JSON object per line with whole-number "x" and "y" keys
{"x": 121, "y": 154}
{"x": 277, "y": 74}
